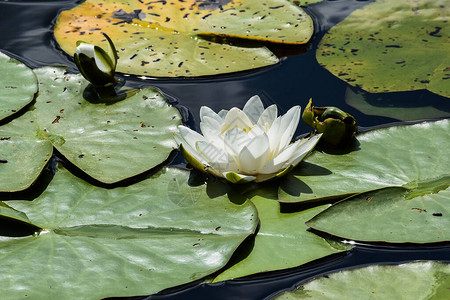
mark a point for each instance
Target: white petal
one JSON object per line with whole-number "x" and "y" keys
{"x": 234, "y": 140}
{"x": 206, "y": 111}
{"x": 211, "y": 153}
{"x": 268, "y": 116}
{"x": 234, "y": 177}
{"x": 253, "y": 156}
{"x": 304, "y": 149}
{"x": 211, "y": 131}
{"x": 281, "y": 160}
{"x": 224, "y": 166}
{"x": 102, "y": 64}
{"x": 256, "y": 131}
{"x": 86, "y": 49}
{"x": 253, "y": 109}
{"x": 210, "y": 126}
{"x": 287, "y": 125}
{"x": 272, "y": 166}
{"x": 188, "y": 138}
{"x": 236, "y": 118}
{"x": 218, "y": 161}
{"x": 285, "y": 155}
{"x": 223, "y": 113}
{"x": 274, "y": 135}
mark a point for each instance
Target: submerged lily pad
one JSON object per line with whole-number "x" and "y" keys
{"x": 283, "y": 236}
{"x": 392, "y": 45}
{"x": 393, "y": 107}
{"x": 18, "y": 84}
{"x": 388, "y": 157}
{"x": 24, "y": 152}
{"x": 127, "y": 241}
{"x": 418, "y": 214}
{"x": 110, "y": 142}
{"x": 417, "y": 280}
{"x": 184, "y": 38}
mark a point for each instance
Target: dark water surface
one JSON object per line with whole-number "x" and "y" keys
{"x": 26, "y": 34}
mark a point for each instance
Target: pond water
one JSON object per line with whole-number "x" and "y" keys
{"x": 26, "y": 34}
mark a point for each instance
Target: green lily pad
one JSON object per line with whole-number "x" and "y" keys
{"x": 387, "y": 157}
{"x": 110, "y": 142}
{"x": 18, "y": 84}
{"x": 370, "y": 104}
{"x": 184, "y": 38}
{"x": 281, "y": 235}
{"x": 24, "y": 152}
{"x": 391, "y": 45}
{"x": 11, "y": 213}
{"x": 417, "y": 280}
{"x": 126, "y": 241}
{"x": 394, "y": 215}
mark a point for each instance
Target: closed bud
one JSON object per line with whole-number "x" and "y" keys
{"x": 336, "y": 125}
{"x": 95, "y": 64}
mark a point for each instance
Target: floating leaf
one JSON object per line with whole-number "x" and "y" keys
{"x": 24, "y": 152}
{"x": 417, "y": 280}
{"x": 6, "y": 211}
{"x": 391, "y": 45}
{"x": 387, "y": 157}
{"x": 394, "y": 215}
{"x": 183, "y": 38}
{"x": 439, "y": 80}
{"x": 393, "y": 107}
{"x": 18, "y": 84}
{"x": 109, "y": 142}
{"x": 281, "y": 235}
{"x": 126, "y": 241}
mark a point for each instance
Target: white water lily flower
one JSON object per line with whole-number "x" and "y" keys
{"x": 252, "y": 144}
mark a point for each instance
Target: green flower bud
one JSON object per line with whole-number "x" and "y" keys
{"x": 333, "y": 113}
{"x": 95, "y": 64}
{"x": 336, "y": 125}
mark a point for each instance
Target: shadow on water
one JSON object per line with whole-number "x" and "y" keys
{"x": 38, "y": 187}
{"x": 14, "y": 228}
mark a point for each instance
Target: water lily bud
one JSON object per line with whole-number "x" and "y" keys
{"x": 95, "y": 64}
{"x": 336, "y": 125}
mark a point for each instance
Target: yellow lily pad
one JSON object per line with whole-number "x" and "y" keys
{"x": 186, "y": 38}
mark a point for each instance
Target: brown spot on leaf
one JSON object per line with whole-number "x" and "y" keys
{"x": 56, "y": 120}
